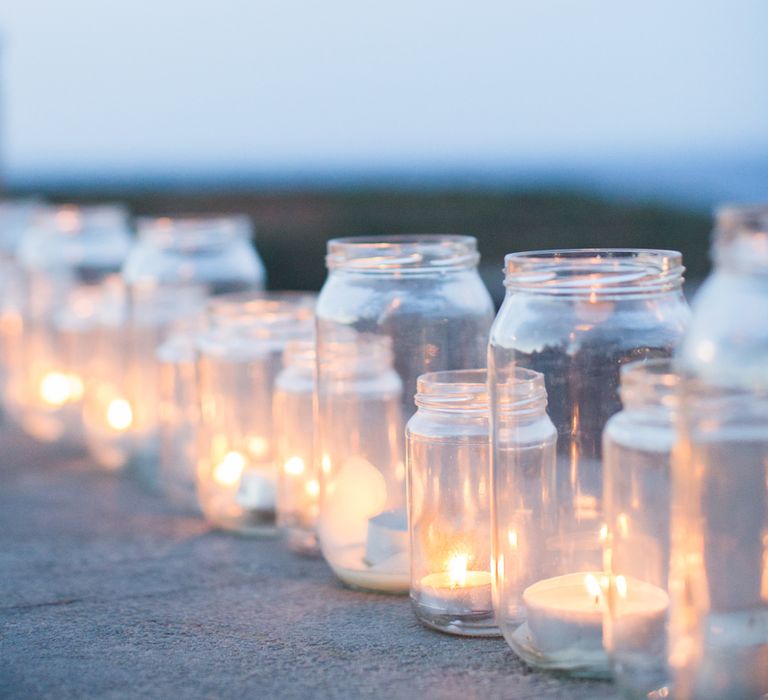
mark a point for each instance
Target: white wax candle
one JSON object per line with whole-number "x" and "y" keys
{"x": 565, "y": 611}
{"x": 442, "y": 592}
{"x": 387, "y": 536}
{"x": 640, "y": 614}
{"x": 257, "y": 491}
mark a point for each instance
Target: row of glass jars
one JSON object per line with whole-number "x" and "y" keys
{"x": 552, "y": 535}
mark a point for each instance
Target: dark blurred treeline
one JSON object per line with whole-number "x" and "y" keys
{"x": 292, "y": 226}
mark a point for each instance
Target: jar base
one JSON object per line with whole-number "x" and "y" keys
{"x": 358, "y": 575}
{"x": 579, "y": 663}
{"x": 477, "y": 624}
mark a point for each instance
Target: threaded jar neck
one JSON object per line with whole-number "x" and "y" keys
{"x": 402, "y": 255}
{"x": 264, "y": 315}
{"x": 740, "y": 239}
{"x": 300, "y": 355}
{"x": 350, "y": 354}
{"x": 194, "y": 234}
{"x": 73, "y": 220}
{"x": 524, "y": 394}
{"x": 454, "y": 391}
{"x": 650, "y": 385}
{"x": 594, "y": 272}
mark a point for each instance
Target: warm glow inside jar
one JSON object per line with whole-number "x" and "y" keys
{"x": 576, "y": 316}
{"x": 65, "y": 256}
{"x": 239, "y": 357}
{"x": 423, "y": 295}
{"x": 718, "y": 646}
{"x": 449, "y": 520}
{"x": 298, "y": 493}
{"x": 175, "y": 265}
{"x": 637, "y": 448}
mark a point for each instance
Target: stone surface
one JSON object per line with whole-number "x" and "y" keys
{"x": 107, "y": 593}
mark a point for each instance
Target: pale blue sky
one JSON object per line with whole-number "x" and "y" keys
{"x": 127, "y": 86}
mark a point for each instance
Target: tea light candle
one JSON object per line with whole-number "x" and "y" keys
{"x": 640, "y": 612}
{"x": 457, "y": 590}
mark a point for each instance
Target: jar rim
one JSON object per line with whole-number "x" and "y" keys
{"x": 650, "y": 383}
{"x": 75, "y": 219}
{"x": 740, "y": 237}
{"x": 403, "y": 253}
{"x": 594, "y": 271}
{"x": 263, "y": 308}
{"x": 194, "y": 232}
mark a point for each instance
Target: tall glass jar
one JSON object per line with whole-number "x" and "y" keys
{"x": 719, "y": 563}
{"x": 239, "y": 356}
{"x": 424, "y": 295}
{"x": 64, "y": 256}
{"x": 174, "y": 266}
{"x": 449, "y": 521}
{"x": 298, "y": 489}
{"x": 637, "y": 447}
{"x": 576, "y": 316}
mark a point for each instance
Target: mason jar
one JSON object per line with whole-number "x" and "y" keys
{"x": 175, "y": 265}
{"x": 449, "y": 521}
{"x": 718, "y": 570}
{"x": 64, "y": 257}
{"x": 576, "y": 316}
{"x": 638, "y": 444}
{"x": 423, "y": 294}
{"x": 239, "y": 356}
{"x": 298, "y": 487}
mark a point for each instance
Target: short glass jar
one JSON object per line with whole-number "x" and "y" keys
{"x": 424, "y": 294}
{"x": 239, "y": 356}
{"x": 449, "y": 521}
{"x": 638, "y": 444}
{"x": 576, "y": 316}
{"x": 175, "y": 264}
{"x": 64, "y": 257}
{"x": 298, "y": 491}
{"x": 718, "y": 568}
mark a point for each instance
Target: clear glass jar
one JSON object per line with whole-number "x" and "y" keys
{"x": 424, "y": 294}
{"x": 298, "y": 492}
{"x": 637, "y": 448}
{"x": 449, "y": 521}
{"x": 16, "y": 216}
{"x": 718, "y": 567}
{"x": 64, "y": 257}
{"x": 174, "y": 266}
{"x": 576, "y": 316}
{"x": 239, "y": 357}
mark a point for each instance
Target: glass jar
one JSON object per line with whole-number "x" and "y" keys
{"x": 174, "y": 266}
{"x": 239, "y": 357}
{"x": 637, "y": 448}
{"x": 449, "y": 522}
{"x": 424, "y": 294}
{"x": 16, "y": 216}
{"x": 299, "y": 479}
{"x": 64, "y": 257}
{"x": 718, "y": 568}
{"x": 576, "y": 316}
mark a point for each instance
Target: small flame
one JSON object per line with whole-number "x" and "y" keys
{"x": 621, "y": 586}
{"x": 326, "y": 464}
{"x": 512, "y": 538}
{"x": 258, "y": 446}
{"x": 58, "y": 388}
{"x": 294, "y": 466}
{"x": 230, "y": 469}
{"x": 603, "y": 535}
{"x": 457, "y": 570}
{"x": 593, "y": 587}
{"x": 312, "y": 487}
{"x": 119, "y": 414}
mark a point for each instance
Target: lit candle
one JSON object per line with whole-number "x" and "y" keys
{"x": 640, "y": 613}
{"x": 457, "y": 590}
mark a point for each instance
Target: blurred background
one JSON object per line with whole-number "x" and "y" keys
{"x": 529, "y": 124}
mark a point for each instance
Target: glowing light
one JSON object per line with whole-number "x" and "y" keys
{"x": 512, "y": 538}
{"x": 705, "y": 351}
{"x": 294, "y": 466}
{"x": 312, "y": 487}
{"x": 230, "y": 469}
{"x": 58, "y": 388}
{"x": 593, "y": 587}
{"x": 457, "y": 570}
{"x": 258, "y": 446}
{"x": 326, "y": 464}
{"x": 119, "y": 414}
{"x": 603, "y": 533}
{"x": 621, "y": 586}
{"x": 623, "y": 524}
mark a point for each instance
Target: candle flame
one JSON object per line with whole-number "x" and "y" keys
{"x": 312, "y": 487}
{"x": 621, "y": 586}
{"x": 119, "y": 414}
{"x": 294, "y": 466}
{"x": 603, "y": 535}
{"x": 457, "y": 570}
{"x": 258, "y": 446}
{"x": 58, "y": 388}
{"x": 230, "y": 469}
{"x": 325, "y": 463}
{"x": 593, "y": 587}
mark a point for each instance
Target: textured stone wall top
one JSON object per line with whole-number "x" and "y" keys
{"x": 106, "y": 593}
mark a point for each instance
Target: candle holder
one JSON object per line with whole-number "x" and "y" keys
{"x": 448, "y": 476}
{"x": 299, "y": 480}
{"x": 174, "y": 266}
{"x": 64, "y": 258}
{"x": 718, "y": 646}
{"x": 239, "y": 357}
{"x": 637, "y": 448}
{"x": 575, "y": 316}
{"x": 424, "y": 294}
